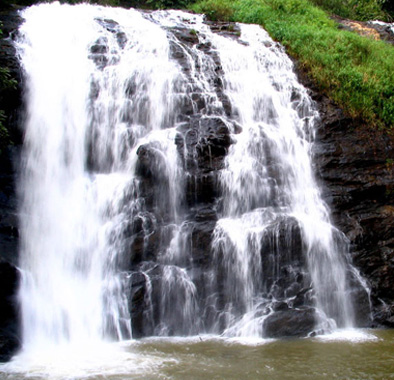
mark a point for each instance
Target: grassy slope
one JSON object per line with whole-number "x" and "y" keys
{"x": 356, "y": 72}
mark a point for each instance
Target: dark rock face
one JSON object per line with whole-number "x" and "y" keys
{"x": 355, "y": 165}
{"x": 283, "y": 258}
{"x": 9, "y": 328}
{"x": 10, "y": 102}
{"x": 10, "y": 98}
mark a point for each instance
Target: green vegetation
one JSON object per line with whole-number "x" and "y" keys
{"x": 145, "y": 4}
{"x": 362, "y": 10}
{"x": 356, "y": 72}
{"x": 160, "y": 4}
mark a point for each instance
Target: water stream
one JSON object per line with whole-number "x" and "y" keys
{"x": 167, "y": 189}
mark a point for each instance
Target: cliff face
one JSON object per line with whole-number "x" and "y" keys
{"x": 10, "y": 102}
{"x": 354, "y": 163}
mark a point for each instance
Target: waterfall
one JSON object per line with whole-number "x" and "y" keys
{"x": 79, "y": 160}
{"x": 167, "y": 185}
{"x": 270, "y": 193}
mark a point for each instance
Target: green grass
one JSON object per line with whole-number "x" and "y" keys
{"x": 354, "y": 71}
{"x": 362, "y": 10}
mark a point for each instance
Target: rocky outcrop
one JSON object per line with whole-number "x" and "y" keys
{"x": 290, "y": 323}
{"x": 375, "y": 30}
{"x": 355, "y": 164}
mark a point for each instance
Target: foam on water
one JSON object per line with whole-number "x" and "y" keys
{"x": 349, "y": 335}
{"x": 85, "y": 361}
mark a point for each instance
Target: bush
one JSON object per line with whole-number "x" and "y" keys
{"x": 362, "y": 10}
{"x": 215, "y": 10}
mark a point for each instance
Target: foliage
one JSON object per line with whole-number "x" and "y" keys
{"x": 165, "y": 4}
{"x": 216, "y": 10}
{"x": 356, "y": 72}
{"x": 156, "y": 4}
{"x": 362, "y": 10}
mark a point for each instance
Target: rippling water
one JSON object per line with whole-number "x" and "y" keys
{"x": 355, "y": 355}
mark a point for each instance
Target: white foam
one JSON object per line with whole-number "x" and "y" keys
{"x": 348, "y": 335}
{"x": 87, "y": 360}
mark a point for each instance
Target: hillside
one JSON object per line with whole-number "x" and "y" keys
{"x": 353, "y": 70}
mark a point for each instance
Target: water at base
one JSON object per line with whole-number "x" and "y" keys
{"x": 86, "y": 361}
{"x": 356, "y": 355}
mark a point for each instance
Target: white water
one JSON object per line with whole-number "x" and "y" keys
{"x": 389, "y": 26}
{"x": 72, "y": 219}
{"x": 269, "y": 178}
{"x": 101, "y": 88}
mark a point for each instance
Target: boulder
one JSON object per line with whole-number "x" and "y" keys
{"x": 289, "y": 323}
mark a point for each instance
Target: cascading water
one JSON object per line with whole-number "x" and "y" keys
{"x": 167, "y": 185}
{"x": 78, "y": 188}
{"x": 271, "y": 198}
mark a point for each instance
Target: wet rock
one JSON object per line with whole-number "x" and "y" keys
{"x": 9, "y": 223}
{"x": 206, "y": 142}
{"x": 11, "y": 97}
{"x": 280, "y": 306}
{"x": 383, "y": 315}
{"x": 305, "y": 297}
{"x": 151, "y": 162}
{"x": 99, "y": 53}
{"x": 283, "y": 258}
{"x": 201, "y": 239}
{"x": 187, "y": 36}
{"x": 9, "y": 325}
{"x": 228, "y": 29}
{"x": 154, "y": 185}
{"x": 138, "y": 305}
{"x": 289, "y": 323}
{"x": 11, "y": 104}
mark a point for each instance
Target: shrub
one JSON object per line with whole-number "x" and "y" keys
{"x": 215, "y": 10}
{"x": 362, "y": 10}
